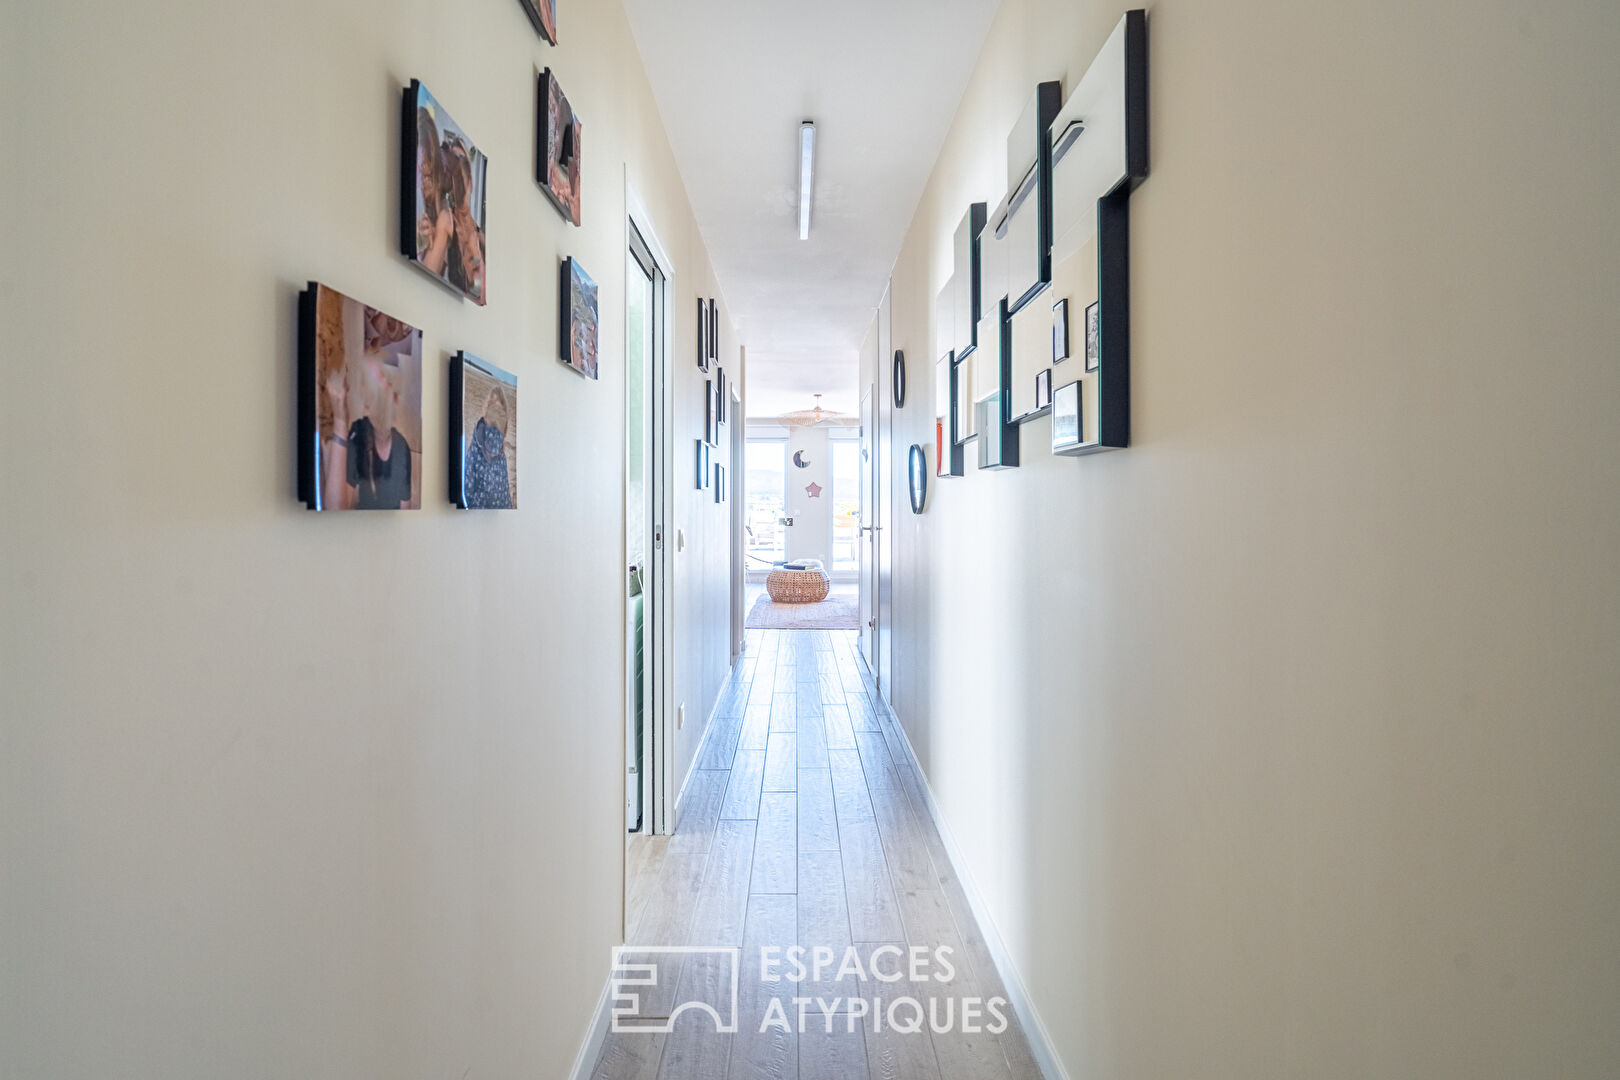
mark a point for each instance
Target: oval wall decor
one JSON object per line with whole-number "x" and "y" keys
{"x": 917, "y": 469}
{"x": 899, "y": 379}
{"x": 800, "y": 460}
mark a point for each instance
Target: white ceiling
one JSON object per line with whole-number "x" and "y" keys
{"x": 733, "y": 79}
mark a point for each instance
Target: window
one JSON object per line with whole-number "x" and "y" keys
{"x": 767, "y": 502}
{"x": 846, "y": 507}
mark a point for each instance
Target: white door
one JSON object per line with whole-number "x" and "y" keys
{"x": 883, "y": 498}
{"x": 867, "y": 545}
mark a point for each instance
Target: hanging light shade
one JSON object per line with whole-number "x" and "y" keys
{"x": 810, "y": 417}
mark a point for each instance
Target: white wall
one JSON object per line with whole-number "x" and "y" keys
{"x": 286, "y": 794}
{"x": 1284, "y": 742}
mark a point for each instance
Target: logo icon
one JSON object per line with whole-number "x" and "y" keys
{"x": 647, "y": 980}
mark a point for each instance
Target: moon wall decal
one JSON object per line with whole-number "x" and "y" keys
{"x": 799, "y": 460}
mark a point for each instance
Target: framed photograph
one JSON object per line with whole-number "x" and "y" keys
{"x": 1060, "y": 331}
{"x": 1043, "y": 388}
{"x": 703, "y": 335}
{"x": 720, "y": 394}
{"x": 1093, "y": 353}
{"x": 714, "y": 330}
{"x": 1066, "y": 418}
{"x": 483, "y": 435}
{"x": 719, "y": 483}
{"x": 543, "y": 13}
{"x": 702, "y": 464}
{"x": 557, "y": 148}
{"x": 711, "y": 421}
{"x": 578, "y": 319}
{"x": 359, "y": 405}
{"x": 441, "y": 201}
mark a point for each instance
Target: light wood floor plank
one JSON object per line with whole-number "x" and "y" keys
{"x": 873, "y": 912}
{"x": 756, "y": 726}
{"x": 742, "y": 792}
{"x": 824, "y": 924}
{"x": 771, "y": 1054}
{"x": 722, "y": 901}
{"x": 895, "y": 1055}
{"x": 818, "y": 821}
{"x": 629, "y": 1056}
{"x": 830, "y": 1050}
{"x": 776, "y": 844}
{"x": 835, "y": 722}
{"x": 849, "y": 787}
{"x": 695, "y": 1048}
{"x": 699, "y": 811}
{"x": 781, "y": 762}
{"x": 720, "y": 745}
{"x": 812, "y": 742}
{"x": 783, "y": 710}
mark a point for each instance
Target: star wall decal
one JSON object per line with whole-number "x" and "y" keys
{"x": 813, "y": 490}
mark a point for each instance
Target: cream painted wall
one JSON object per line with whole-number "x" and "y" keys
{"x": 1285, "y": 742}
{"x": 287, "y": 794}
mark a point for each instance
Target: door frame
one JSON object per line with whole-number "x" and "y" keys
{"x": 658, "y": 817}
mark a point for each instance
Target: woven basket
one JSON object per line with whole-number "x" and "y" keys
{"x": 797, "y": 586}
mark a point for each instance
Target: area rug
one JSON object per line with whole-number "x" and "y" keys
{"x": 839, "y": 611}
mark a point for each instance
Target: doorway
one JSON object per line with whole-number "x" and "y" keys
{"x": 646, "y": 742}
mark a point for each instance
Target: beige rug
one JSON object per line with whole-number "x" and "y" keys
{"x": 840, "y": 611}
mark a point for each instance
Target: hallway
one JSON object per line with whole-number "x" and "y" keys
{"x": 805, "y": 823}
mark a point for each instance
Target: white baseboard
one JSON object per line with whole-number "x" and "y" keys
{"x": 595, "y": 1036}
{"x": 1040, "y": 1042}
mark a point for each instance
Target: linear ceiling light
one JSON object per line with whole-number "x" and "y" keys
{"x": 807, "y": 165}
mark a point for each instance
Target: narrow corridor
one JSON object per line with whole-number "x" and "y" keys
{"x": 805, "y": 824}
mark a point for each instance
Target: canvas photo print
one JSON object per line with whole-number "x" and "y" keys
{"x": 359, "y": 405}
{"x": 578, "y": 321}
{"x": 543, "y": 13}
{"x": 557, "y": 144}
{"x": 442, "y": 196}
{"x": 483, "y": 435}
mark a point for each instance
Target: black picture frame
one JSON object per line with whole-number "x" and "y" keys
{"x": 899, "y": 379}
{"x": 465, "y": 269}
{"x": 702, "y": 335}
{"x": 702, "y": 464}
{"x": 719, "y": 483}
{"x": 950, "y": 458}
{"x": 478, "y": 492}
{"x": 1035, "y": 125}
{"x": 720, "y": 395}
{"x": 1068, "y": 423}
{"x": 1043, "y": 388}
{"x": 711, "y": 423}
{"x": 917, "y": 475}
{"x": 1060, "y": 331}
{"x": 543, "y": 14}
{"x": 1093, "y": 337}
{"x": 714, "y": 330}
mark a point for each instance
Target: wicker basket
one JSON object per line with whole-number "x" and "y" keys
{"x": 797, "y": 586}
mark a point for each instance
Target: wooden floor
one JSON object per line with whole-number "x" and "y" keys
{"x": 805, "y": 824}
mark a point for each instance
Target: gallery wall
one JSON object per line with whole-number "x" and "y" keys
{"x": 293, "y": 794}
{"x": 1283, "y": 742}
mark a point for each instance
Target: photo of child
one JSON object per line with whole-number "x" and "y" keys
{"x": 442, "y": 200}
{"x": 361, "y": 424}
